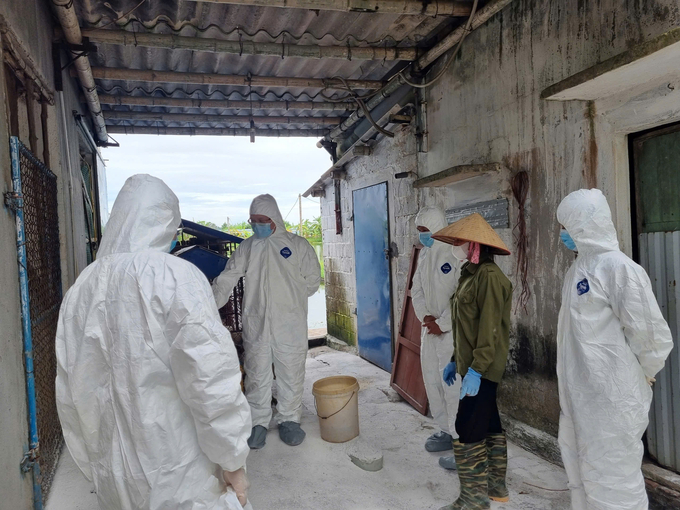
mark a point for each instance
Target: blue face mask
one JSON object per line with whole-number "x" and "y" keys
{"x": 567, "y": 240}
{"x": 426, "y": 239}
{"x": 172, "y": 245}
{"x": 262, "y": 230}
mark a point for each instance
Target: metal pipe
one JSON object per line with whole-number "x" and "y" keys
{"x": 226, "y": 104}
{"x": 112, "y": 73}
{"x": 276, "y": 133}
{"x": 69, "y": 24}
{"x": 34, "y": 444}
{"x": 482, "y": 15}
{"x": 178, "y": 42}
{"x": 410, "y": 7}
{"x": 201, "y": 118}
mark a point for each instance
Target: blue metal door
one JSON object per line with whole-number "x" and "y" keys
{"x": 372, "y": 259}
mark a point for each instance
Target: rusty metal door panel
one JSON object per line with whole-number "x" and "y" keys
{"x": 407, "y": 375}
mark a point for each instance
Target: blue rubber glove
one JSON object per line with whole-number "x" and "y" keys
{"x": 470, "y": 383}
{"x": 450, "y": 373}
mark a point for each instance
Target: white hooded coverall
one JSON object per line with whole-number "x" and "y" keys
{"x": 434, "y": 283}
{"x": 281, "y": 272}
{"x": 148, "y": 380}
{"x": 610, "y": 335}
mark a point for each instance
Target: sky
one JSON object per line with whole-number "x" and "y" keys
{"x": 216, "y": 178}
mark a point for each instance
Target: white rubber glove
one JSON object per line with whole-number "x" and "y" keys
{"x": 650, "y": 380}
{"x": 239, "y": 481}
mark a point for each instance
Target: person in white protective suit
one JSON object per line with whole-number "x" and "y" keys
{"x": 281, "y": 271}
{"x": 148, "y": 380}
{"x": 434, "y": 283}
{"x": 611, "y": 342}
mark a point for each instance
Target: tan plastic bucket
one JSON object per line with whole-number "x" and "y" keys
{"x": 337, "y": 406}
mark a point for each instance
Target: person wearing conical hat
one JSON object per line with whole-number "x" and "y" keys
{"x": 481, "y": 329}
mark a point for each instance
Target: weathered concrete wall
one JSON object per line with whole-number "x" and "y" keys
{"x": 487, "y": 109}
{"x": 31, "y": 24}
{"x": 388, "y": 159}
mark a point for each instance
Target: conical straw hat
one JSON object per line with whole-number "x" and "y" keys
{"x": 473, "y": 228}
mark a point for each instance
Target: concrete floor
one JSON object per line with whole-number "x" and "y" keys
{"x": 320, "y": 475}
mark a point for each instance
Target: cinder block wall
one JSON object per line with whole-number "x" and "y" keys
{"x": 399, "y": 155}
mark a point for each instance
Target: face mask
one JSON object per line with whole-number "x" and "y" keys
{"x": 567, "y": 240}
{"x": 461, "y": 252}
{"x": 262, "y": 230}
{"x": 172, "y": 245}
{"x": 426, "y": 239}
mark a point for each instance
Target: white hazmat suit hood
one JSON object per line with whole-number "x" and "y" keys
{"x": 610, "y": 335}
{"x": 281, "y": 272}
{"x": 148, "y": 380}
{"x": 434, "y": 283}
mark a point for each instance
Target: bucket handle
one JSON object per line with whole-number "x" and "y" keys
{"x": 336, "y": 412}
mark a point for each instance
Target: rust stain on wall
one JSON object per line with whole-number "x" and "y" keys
{"x": 589, "y": 171}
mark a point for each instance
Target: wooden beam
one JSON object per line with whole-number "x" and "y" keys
{"x": 189, "y": 131}
{"x": 456, "y": 174}
{"x": 178, "y": 42}
{"x": 226, "y": 104}
{"x": 201, "y": 118}
{"x": 112, "y": 73}
{"x": 410, "y": 7}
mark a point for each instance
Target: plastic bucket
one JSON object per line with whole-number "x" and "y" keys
{"x": 337, "y": 406}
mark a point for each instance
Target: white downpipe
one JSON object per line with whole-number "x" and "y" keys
{"x": 69, "y": 25}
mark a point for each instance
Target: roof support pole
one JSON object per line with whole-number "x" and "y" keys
{"x": 200, "y": 118}
{"x": 111, "y": 73}
{"x": 275, "y": 133}
{"x": 178, "y": 42}
{"x": 69, "y": 25}
{"x": 411, "y": 7}
{"x": 173, "y": 102}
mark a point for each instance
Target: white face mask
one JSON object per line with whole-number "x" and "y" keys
{"x": 461, "y": 252}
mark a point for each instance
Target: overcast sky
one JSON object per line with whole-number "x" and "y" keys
{"x": 217, "y": 177}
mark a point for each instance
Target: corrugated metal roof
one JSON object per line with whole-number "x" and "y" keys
{"x": 259, "y": 24}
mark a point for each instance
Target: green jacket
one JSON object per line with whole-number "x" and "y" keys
{"x": 481, "y": 319}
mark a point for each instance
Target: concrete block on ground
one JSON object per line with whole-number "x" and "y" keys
{"x": 364, "y": 455}
{"x": 339, "y": 345}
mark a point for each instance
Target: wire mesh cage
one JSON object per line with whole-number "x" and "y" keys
{"x": 41, "y": 227}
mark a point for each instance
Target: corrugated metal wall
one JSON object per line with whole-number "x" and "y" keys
{"x": 660, "y": 256}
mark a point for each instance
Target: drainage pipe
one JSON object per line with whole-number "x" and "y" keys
{"x": 69, "y": 24}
